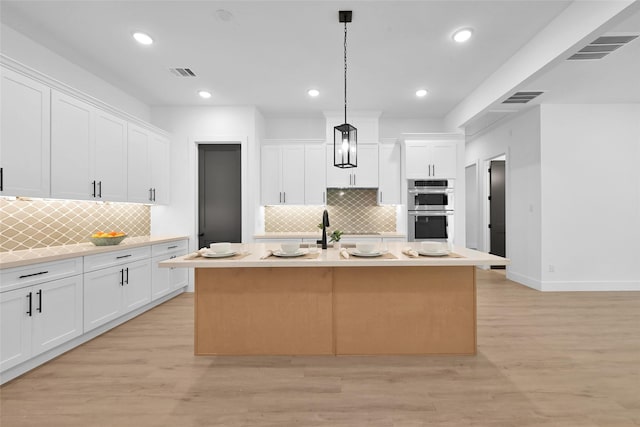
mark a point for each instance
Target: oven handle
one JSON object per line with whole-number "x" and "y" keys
{"x": 432, "y": 191}
{"x": 430, "y": 213}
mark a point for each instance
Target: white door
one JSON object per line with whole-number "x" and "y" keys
{"x": 138, "y": 166}
{"x": 102, "y": 296}
{"x": 366, "y": 174}
{"x": 315, "y": 174}
{"x": 293, "y": 174}
{"x": 417, "y": 160}
{"x": 389, "y": 175}
{"x": 15, "y": 327}
{"x": 72, "y": 148}
{"x": 160, "y": 169}
{"x": 271, "y": 175}
{"x": 110, "y": 162}
{"x": 57, "y": 313}
{"x": 25, "y": 136}
{"x": 160, "y": 280}
{"x": 137, "y": 286}
{"x": 443, "y": 160}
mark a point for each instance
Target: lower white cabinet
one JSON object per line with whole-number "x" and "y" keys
{"x": 167, "y": 280}
{"x": 38, "y": 318}
{"x": 111, "y": 292}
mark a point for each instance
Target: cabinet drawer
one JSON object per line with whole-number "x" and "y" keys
{"x": 19, "y": 277}
{"x": 166, "y": 248}
{"x": 109, "y": 259}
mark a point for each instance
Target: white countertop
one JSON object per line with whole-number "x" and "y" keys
{"x": 331, "y": 258}
{"x": 55, "y": 253}
{"x": 318, "y": 235}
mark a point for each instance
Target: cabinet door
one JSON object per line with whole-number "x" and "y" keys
{"x": 137, "y": 286}
{"x": 293, "y": 174}
{"x": 102, "y": 296}
{"x": 366, "y": 174}
{"x": 417, "y": 160}
{"x": 57, "y": 313}
{"x": 160, "y": 169}
{"x": 72, "y": 148}
{"x": 24, "y": 136}
{"x": 138, "y": 168}
{"x": 338, "y": 177}
{"x": 15, "y": 327}
{"x": 110, "y": 161}
{"x": 271, "y": 175}
{"x": 389, "y": 175}
{"x": 160, "y": 279}
{"x": 315, "y": 174}
{"x": 178, "y": 278}
{"x": 443, "y": 160}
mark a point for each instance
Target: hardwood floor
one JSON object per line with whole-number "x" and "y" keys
{"x": 544, "y": 359}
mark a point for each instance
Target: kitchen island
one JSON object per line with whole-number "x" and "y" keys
{"x": 325, "y": 304}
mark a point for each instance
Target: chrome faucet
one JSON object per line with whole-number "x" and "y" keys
{"x": 325, "y": 224}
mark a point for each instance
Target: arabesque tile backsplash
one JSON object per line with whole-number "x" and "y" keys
{"x": 29, "y": 224}
{"x": 350, "y": 210}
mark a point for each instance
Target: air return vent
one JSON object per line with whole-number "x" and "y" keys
{"x": 521, "y": 97}
{"x": 602, "y": 46}
{"x": 182, "y": 72}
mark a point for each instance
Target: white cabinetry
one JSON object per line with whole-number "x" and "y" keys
{"x": 282, "y": 174}
{"x": 389, "y": 175}
{"x": 115, "y": 283}
{"x": 167, "y": 280}
{"x": 148, "y": 166}
{"x": 315, "y": 174}
{"x": 37, "y": 318}
{"x": 25, "y": 136}
{"x": 363, "y": 176}
{"x": 430, "y": 159}
{"x": 88, "y": 151}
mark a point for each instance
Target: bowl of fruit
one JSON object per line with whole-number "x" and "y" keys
{"x": 100, "y": 238}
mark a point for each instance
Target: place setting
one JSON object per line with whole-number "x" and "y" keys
{"x": 220, "y": 250}
{"x": 293, "y": 250}
{"x": 430, "y": 249}
{"x": 367, "y": 250}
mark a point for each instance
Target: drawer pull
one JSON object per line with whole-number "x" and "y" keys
{"x": 33, "y": 274}
{"x": 123, "y": 256}
{"x": 172, "y": 247}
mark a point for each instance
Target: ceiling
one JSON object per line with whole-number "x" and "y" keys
{"x": 268, "y": 53}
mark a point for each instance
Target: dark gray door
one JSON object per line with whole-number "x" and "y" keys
{"x": 497, "y": 207}
{"x": 220, "y": 197}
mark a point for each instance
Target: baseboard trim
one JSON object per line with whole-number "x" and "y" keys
{"x": 584, "y": 286}
{"x": 524, "y": 280}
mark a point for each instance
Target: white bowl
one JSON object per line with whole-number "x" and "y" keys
{"x": 221, "y": 247}
{"x": 433, "y": 246}
{"x": 290, "y": 248}
{"x": 365, "y": 247}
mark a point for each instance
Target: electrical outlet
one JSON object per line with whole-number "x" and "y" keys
{"x": 552, "y": 268}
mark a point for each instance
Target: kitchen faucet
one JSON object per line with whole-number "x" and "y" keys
{"x": 325, "y": 224}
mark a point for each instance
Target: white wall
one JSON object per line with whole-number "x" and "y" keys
{"x": 295, "y": 127}
{"x": 24, "y": 50}
{"x": 472, "y": 206}
{"x": 519, "y": 139}
{"x": 395, "y": 127}
{"x": 591, "y": 197}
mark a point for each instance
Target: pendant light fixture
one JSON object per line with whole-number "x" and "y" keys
{"x": 345, "y": 136}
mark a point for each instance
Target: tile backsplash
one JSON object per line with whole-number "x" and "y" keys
{"x": 350, "y": 210}
{"x": 29, "y": 224}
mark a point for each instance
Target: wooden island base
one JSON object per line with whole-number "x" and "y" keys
{"x": 335, "y": 310}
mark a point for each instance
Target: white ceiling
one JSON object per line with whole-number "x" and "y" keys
{"x": 270, "y": 52}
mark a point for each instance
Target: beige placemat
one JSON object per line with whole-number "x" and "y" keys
{"x": 451, "y": 255}
{"x": 383, "y": 256}
{"x": 305, "y": 256}
{"x": 229, "y": 258}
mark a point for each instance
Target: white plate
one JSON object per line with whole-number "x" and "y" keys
{"x": 219, "y": 255}
{"x": 434, "y": 253}
{"x": 299, "y": 252}
{"x": 356, "y": 252}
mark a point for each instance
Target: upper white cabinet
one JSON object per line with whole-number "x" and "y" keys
{"x": 148, "y": 166}
{"x": 389, "y": 175}
{"x": 315, "y": 174}
{"x": 365, "y": 175}
{"x": 110, "y": 159}
{"x": 430, "y": 159}
{"x": 25, "y": 136}
{"x": 283, "y": 174}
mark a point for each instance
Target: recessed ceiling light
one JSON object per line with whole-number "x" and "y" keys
{"x": 224, "y": 15}
{"x": 313, "y": 92}
{"x": 462, "y": 35}
{"x": 142, "y": 38}
{"x": 421, "y": 93}
{"x": 204, "y": 94}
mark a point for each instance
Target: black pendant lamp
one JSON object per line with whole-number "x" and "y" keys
{"x": 345, "y": 136}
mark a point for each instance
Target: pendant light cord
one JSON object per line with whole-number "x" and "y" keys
{"x": 345, "y": 72}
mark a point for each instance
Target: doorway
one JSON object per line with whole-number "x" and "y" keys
{"x": 497, "y": 208}
{"x": 219, "y": 194}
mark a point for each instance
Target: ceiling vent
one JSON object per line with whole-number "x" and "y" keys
{"x": 602, "y": 46}
{"x": 182, "y": 72}
{"x": 522, "y": 97}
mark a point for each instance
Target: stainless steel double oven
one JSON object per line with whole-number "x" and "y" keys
{"x": 430, "y": 208}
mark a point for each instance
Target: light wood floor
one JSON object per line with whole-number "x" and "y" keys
{"x": 544, "y": 359}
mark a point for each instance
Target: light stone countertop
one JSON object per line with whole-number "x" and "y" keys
{"x": 55, "y": 253}
{"x": 318, "y": 235}
{"x": 331, "y": 258}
